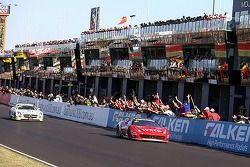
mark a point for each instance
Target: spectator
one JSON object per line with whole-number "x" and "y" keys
{"x": 186, "y": 105}
{"x": 179, "y": 105}
{"x": 214, "y": 115}
{"x": 58, "y": 98}
{"x": 206, "y": 113}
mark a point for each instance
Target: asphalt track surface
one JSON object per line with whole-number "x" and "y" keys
{"x": 70, "y": 144}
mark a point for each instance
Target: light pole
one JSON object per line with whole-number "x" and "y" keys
{"x": 13, "y": 63}
{"x": 213, "y": 6}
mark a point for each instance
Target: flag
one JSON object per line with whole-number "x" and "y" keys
{"x": 123, "y": 20}
{"x": 94, "y": 18}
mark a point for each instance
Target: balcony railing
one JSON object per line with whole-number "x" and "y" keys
{"x": 69, "y": 46}
{"x": 189, "y": 27}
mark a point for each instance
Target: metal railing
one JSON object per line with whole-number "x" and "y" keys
{"x": 188, "y": 27}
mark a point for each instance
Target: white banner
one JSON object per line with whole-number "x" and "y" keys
{"x": 52, "y": 108}
{"x": 13, "y": 100}
{"x": 79, "y": 113}
{"x": 85, "y": 114}
{"x": 27, "y": 100}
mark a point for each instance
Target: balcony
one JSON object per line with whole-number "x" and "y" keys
{"x": 187, "y": 27}
{"x": 63, "y": 47}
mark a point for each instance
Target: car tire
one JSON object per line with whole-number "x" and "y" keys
{"x": 10, "y": 115}
{"x": 118, "y": 133}
{"x": 129, "y": 133}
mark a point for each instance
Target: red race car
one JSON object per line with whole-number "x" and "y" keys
{"x": 142, "y": 129}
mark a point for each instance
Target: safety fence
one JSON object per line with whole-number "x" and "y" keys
{"x": 220, "y": 135}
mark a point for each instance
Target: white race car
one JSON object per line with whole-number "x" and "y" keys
{"x": 25, "y": 112}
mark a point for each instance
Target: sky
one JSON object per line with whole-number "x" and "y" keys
{"x": 44, "y": 20}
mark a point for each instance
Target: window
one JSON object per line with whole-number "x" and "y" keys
{"x": 145, "y": 123}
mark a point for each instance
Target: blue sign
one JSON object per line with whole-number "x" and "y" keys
{"x": 115, "y": 116}
{"x": 224, "y": 135}
{"x": 180, "y": 128}
{"x": 221, "y": 135}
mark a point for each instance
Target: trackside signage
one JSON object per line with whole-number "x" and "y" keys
{"x": 233, "y": 132}
{"x": 179, "y": 128}
{"x": 79, "y": 113}
{"x": 228, "y": 136}
{"x": 13, "y": 100}
{"x": 51, "y": 108}
{"x": 115, "y": 116}
{"x": 22, "y": 99}
{"x": 90, "y": 115}
{"x": 222, "y": 135}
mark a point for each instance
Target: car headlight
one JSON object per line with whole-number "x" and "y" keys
{"x": 164, "y": 132}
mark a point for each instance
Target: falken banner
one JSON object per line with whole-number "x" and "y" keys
{"x": 95, "y": 18}
{"x": 220, "y": 135}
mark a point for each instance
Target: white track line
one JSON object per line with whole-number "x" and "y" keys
{"x": 29, "y": 156}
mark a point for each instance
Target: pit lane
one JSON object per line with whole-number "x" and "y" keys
{"x": 66, "y": 143}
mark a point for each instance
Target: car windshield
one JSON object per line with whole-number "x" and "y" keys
{"x": 26, "y": 107}
{"x": 145, "y": 123}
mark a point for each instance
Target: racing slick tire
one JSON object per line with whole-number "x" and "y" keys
{"x": 129, "y": 133}
{"x": 118, "y": 133}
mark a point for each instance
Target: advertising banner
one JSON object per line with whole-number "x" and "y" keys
{"x": 180, "y": 129}
{"x": 22, "y": 99}
{"x": 94, "y": 18}
{"x": 27, "y": 100}
{"x": 52, "y": 108}
{"x": 115, "y": 116}
{"x": 240, "y": 8}
{"x": 13, "y": 100}
{"x": 2, "y": 33}
{"x": 4, "y": 10}
{"x": 223, "y": 135}
{"x": 90, "y": 115}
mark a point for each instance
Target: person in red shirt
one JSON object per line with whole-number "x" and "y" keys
{"x": 214, "y": 115}
{"x": 207, "y": 114}
{"x": 157, "y": 99}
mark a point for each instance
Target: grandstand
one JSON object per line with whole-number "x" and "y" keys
{"x": 190, "y": 55}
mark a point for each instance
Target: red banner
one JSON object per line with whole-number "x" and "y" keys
{"x": 221, "y": 50}
{"x": 244, "y": 49}
{"x": 174, "y": 50}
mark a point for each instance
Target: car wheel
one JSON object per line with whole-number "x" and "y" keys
{"x": 118, "y": 133}
{"x": 129, "y": 133}
{"x": 10, "y": 116}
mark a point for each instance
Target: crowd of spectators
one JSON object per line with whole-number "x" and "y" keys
{"x": 22, "y": 92}
{"x": 54, "y": 42}
{"x": 8, "y": 52}
{"x": 153, "y": 104}
{"x": 185, "y": 19}
{"x": 106, "y": 30}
